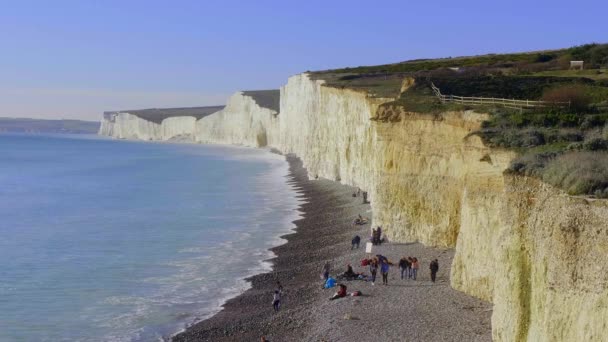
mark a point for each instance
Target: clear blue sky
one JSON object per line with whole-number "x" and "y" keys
{"x": 74, "y": 59}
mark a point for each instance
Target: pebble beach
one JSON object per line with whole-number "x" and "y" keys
{"x": 403, "y": 310}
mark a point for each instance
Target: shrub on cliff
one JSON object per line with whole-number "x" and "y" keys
{"x": 579, "y": 173}
{"x": 574, "y": 94}
{"x": 532, "y": 164}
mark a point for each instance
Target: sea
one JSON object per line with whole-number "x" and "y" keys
{"x": 111, "y": 240}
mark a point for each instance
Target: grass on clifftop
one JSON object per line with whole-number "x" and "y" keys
{"x": 564, "y": 146}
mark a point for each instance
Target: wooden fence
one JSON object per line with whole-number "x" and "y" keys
{"x": 509, "y": 103}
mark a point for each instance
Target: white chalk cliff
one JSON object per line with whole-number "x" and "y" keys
{"x": 538, "y": 254}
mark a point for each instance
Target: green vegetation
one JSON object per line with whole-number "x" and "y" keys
{"x": 594, "y": 55}
{"x": 420, "y": 98}
{"x": 594, "y": 74}
{"x": 575, "y": 172}
{"x": 382, "y": 86}
{"x": 565, "y": 145}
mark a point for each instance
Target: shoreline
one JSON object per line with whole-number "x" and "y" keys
{"x": 404, "y": 310}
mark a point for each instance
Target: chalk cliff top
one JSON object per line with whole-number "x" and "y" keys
{"x": 157, "y": 115}
{"x": 266, "y": 98}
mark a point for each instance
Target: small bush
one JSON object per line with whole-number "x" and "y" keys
{"x": 575, "y": 94}
{"x": 595, "y": 144}
{"x": 598, "y": 56}
{"x": 543, "y": 57}
{"x": 531, "y": 164}
{"x": 593, "y": 121}
{"x": 579, "y": 173}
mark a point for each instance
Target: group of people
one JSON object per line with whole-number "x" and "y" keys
{"x": 377, "y": 238}
{"x": 358, "y": 193}
{"x": 409, "y": 268}
{"x": 379, "y": 262}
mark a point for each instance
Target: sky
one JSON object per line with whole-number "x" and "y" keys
{"x": 76, "y": 59}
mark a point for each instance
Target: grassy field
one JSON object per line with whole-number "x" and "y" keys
{"x": 594, "y": 74}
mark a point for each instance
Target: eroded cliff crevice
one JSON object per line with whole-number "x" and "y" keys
{"x": 533, "y": 251}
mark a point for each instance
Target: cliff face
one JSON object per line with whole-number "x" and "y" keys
{"x": 551, "y": 279}
{"x": 536, "y": 253}
{"x": 129, "y": 126}
{"x": 241, "y": 122}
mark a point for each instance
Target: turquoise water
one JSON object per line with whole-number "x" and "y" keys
{"x": 105, "y": 240}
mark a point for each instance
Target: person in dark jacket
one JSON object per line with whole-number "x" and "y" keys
{"x": 355, "y": 242}
{"x": 373, "y": 269}
{"x": 434, "y": 269}
{"x": 349, "y": 274}
{"x": 404, "y": 266}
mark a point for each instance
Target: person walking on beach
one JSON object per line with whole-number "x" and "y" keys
{"x": 411, "y": 261}
{"x": 279, "y": 287}
{"x": 384, "y": 267}
{"x": 404, "y": 266}
{"x": 355, "y": 242}
{"x": 373, "y": 269}
{"x": 276, "y": 301}
{"x": 434, "y": 269}
{"x": 415, "y": 267}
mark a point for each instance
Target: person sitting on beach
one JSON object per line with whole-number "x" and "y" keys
{"x": 355, "y": 242}
{"x": 404, "y": 266}
{"x": 276, "y": 301}
{"x": 360, "y": 220}
{"x": 341, "y": 292}
{"x": 350, "y": 274}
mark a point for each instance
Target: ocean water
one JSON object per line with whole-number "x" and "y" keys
{"x": 105, "y": 240}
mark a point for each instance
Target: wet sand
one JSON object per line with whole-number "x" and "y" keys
{"x": 405, "y": 310}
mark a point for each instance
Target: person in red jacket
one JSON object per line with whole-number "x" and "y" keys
{"x": 341, "y": 292}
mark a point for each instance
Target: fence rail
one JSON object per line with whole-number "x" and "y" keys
{"x": 510, "y": 103}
